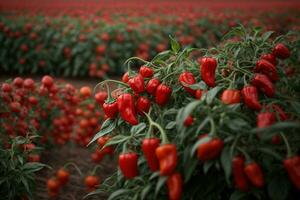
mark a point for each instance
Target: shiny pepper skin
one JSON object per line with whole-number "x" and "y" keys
{"x": 292, "y": 166}
{"x": 125, "y": 77}
{"x": 250, "y": 96}
{"x": 255, "y": 174}
{"x": 210, "y": 150}
{"x": 110, "y": 109}
{"x": 265, "y": 119}
{"x": 281, "y": 51}
{"x": 187, "y": 78}
{"x": 152, "y": 85}
{"x": 240, "y": 178}
{"x": 127, "y": 109}
{"x": 143, "y": 105}
{"x": 167, "y": 157}
{"x": 208, "y": 68}
{"x": 175, "y": 184}
{"x": 128, "y": 165}
{"x": 146, "y": 72}
{"x": 267, "y": 68}
{"x": 263, "y": 83}
{"x": 137, "y": 84}
{"x": 231, "y": 96}
{"x": 162, "y": 94}
{"x": 269, "y": 57}
{"x": 149, "y": 145}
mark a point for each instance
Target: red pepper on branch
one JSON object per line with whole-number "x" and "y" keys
{"x": 211, "y": 149}
{"x": 267, "y": 68}
{"x": 255, "y": 174}
{"x": 187, "y": 78}
{"x": 175, "y": 184}
{"x": 152, "y": 85}
{"x": 198, "y": 94}
{"x": 125, "y": 77}
{"x": 269, "y": 57}
{"x": 207, "y": 70}
{"x": 265, "y": 119}
{"x": 149, "y": 146}
{"x": 137, "y": 84}
{"x": 127, "y": 109}
{"x": 146, "y": 72}
{"x": 143, "y": 105}
{"x": 292, "y": 166}
{"x": 231, "y": 96}
{"x": 110, "y": 109}
{"x": 167, "y": 157}
{"x": 240, "y": 178}
{"x": 250, "y": 97}
{"x": 263, "y": 83}
{"x": 188, "y": 121}
{"x": 162, "y": 94}
{"x": 128, "y": 164}
{"x": 281, "y": 51}
{"x": 282, "y": 115}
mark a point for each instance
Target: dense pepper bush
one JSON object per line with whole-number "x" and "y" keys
{"x": 218, "y": 123}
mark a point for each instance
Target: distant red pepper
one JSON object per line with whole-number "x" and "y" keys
{"x": 175, "y": 184}
{"x": 110, "y": 109}
{"x": 255, "y": 174}
{"x": 231, "y": 96}
{"x": 250, "y": 97}
{"x": 187, "y": 78}
{"x": 240, "y": 178}
{"x": 208, "y": 68}
{"x": 143, "y": 105}
{"x": 281, "y": 51}
{"x": 152, "y": 85}
{"x": 162, "y": 94}
{"x": 210, "y": 150}
{"x": 127, "y": 109}
{"x": 292, "y": 166}
{"x": 263, "y": 83}
{"x": 265, "y": 119}
{"x": 100, "y": 97}
{"x": 267, "y": 68}
{"x": 149, "y": 146}
{"x": 269, "y": 57}
{"x": 137, "y": 84}
{"x": 188, "y": 121}
{"x": 167, "y": 157}
{"x": 146, "y": 72}
{"x": 128, "y": 164}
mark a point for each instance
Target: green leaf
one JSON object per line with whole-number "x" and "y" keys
{"x": 108, "y": 126}
{"x": 237, "y": 195}
{"x": 174, "y": 44}
{"x": 170, "y": 125}
{"x": 118, "y": 193}
{"x": 210, "y": 95}
{"x": 138, "y": 128}
{"x": 161, "y": 181}
{"x": 278, "y": 188}
{"x": 207, "y": 165}
{"x": 31, "y": 167}
{"x": 277, "y": 127}
{"x": 145, "y": 191}
{"x": 226, "y": 163}
{"x": 267, "y": 35}
{"x": 116, "y": 140}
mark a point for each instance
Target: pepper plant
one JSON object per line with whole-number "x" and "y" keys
{"x": 218, "y": 123}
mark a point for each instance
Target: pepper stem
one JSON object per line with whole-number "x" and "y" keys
{"x": 288, "y": 147}
{"x": 212, "y": 127}
{"x": 109, "y": 99}
{"x": 107, "y": 81}
{"x": 74, "y": 165}
{"x": 161, "y": 130}
{"x": 95, "y": 169}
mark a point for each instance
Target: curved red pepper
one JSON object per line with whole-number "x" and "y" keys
{"x": 146, "y": 72}
{"x": 167, "y": 157}
{"x": 267, "y": 68}
{"x": 269, "y": 57}
{"x": 128, "y": 164}
{"x": 250, "y": 97}
{"x": 240, "y": 178}
{"x": 110, "y": 109}
{"x": 255, "y": 174}
{"x": 292, "y": 166}
{"x": 143, "y": 105}
{"x": 126, "y": 108}
{"x": 210, "y": 150}
{"x": 162, "y": 94}
{"x": 231, "y": 96}
{"x": 137, "y": 84}
{"x": 263, "y": 83}
{"x": 152, "y": 85}
{"x": 175, "y": 184}
{"x": 187, "y": 78}
{"x": 208, "y": 68}
{"x": 149, "y": 146}
{"x": 281, "y": 51}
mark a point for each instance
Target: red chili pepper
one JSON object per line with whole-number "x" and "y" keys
{"x": 125, "y": 77}
{"x": 167, "y": 157}
{"x": 143, "y": 105}
{"x": 198, "y": 94}
{"x": 126, "y": 108}
{"x": 282, "y": 115}
{"x": 211, "y": 149}
{"x": 188, "y": 121}
{"x": 267, "y": 68}
{"x": 187, "y": 78}
{"x": 162, "y": 94}
{"x": 100, "y": 97}
{"x": 128, "y": 164}
{"x": 152, "y": 85}
{"x": 231, "y": 96}
{"x": 255, "y": 174}
{"x": 175, "y": 184}
{"x": 149, "y": 146}
{"x": 240, "y": 178}
{"x": 265, "y": 119}
{"x": 269, "y": 57}
{"x": 250, "y": 97}
{"x": 208, "y": 68}
{"x": 146, "y": 72}
{"x": 137, "y": 84}
{"x": 110, "y": 109}
{"x": 263, "y": 83}
{"x": 292, "y": 166}
{"x": 281, "y": 51}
